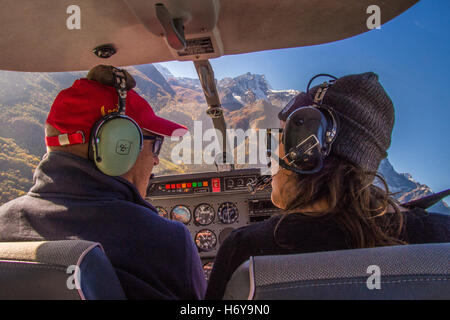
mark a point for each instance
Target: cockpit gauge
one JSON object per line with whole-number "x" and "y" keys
{"x": 206, "y": 240}
{"x": 204, "y": 214}
{"x": 228, "y": 212}
{"x": 207, "y": 268}
{"x": 230, "y": 183}
{"x": 240, "y": 182}
{"x": 162, "y": 212}
{"x": 182, "y": 214}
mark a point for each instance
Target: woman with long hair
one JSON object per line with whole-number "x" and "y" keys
{"x": 326, "y": 182}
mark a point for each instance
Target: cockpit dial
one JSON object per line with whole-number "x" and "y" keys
{"x": 228, "y": 213}
{"x": 204, "y": 214}
{"x": 182, "y": 214}
{"x": 206, "y": 240}
{"x": 230, "y": 183}
{"x": 162, "y": 212}
{"x": 207, "y": 268}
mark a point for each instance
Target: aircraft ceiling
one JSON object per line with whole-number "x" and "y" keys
{"x": 35, "y": 35}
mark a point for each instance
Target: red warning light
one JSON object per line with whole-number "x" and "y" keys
{"x": 215, "y": 184}
{"x": 167, "y": 186}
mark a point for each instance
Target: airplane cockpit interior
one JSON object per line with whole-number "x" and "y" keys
{"x": 58, "y": 36}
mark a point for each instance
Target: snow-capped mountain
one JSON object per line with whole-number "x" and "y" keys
{"x": 406, "y": 189}
{"x": 246, "y": 89}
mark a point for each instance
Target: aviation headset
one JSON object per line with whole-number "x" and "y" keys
{"x": 309, "y": 132}
{"x": 116, "y": 140}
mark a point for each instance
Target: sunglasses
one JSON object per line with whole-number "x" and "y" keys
{"x": 157, "y": 143}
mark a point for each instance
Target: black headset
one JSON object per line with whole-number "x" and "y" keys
{"x": 309, "y": 132}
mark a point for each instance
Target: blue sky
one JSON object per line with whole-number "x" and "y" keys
{"x": 411, "y": 54}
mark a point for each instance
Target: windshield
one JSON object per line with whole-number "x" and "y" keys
{"x": 408, "y": 53}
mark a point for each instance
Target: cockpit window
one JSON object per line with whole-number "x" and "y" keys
{"x": 408, "y": 53}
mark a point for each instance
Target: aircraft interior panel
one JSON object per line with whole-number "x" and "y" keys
{"x": 211, "y": 205}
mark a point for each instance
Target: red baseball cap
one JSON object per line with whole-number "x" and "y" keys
{"x": 78, "y": 108}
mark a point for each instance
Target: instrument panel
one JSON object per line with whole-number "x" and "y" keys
{"x": 211, "y": 205}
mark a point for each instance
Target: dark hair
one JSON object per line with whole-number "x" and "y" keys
{"x": 357, "y": 206}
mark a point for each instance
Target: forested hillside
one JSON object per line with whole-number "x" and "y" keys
{"x": 16, "y": 169}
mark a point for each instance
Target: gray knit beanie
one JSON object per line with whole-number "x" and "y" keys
{"x": 366, "y": 117}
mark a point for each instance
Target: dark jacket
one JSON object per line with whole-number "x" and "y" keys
{"x": 154, "y": 258}
{"x": 300, "y": 234}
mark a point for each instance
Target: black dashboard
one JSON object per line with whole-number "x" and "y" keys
{"x": 211, "y": 205}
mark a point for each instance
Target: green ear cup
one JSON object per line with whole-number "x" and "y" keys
{"x": 119, "y": 142}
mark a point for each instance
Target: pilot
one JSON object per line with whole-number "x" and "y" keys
{"x": 73, "y": 198}
{"x": 332, "y": 198}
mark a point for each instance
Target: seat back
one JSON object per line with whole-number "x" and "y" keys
{"x": 398, "y": 272}
{"x": 63, "y": 270}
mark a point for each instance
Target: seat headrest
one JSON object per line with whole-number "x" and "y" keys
{"x": 403, "y": 272}
{"x": 66, "y": 269}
